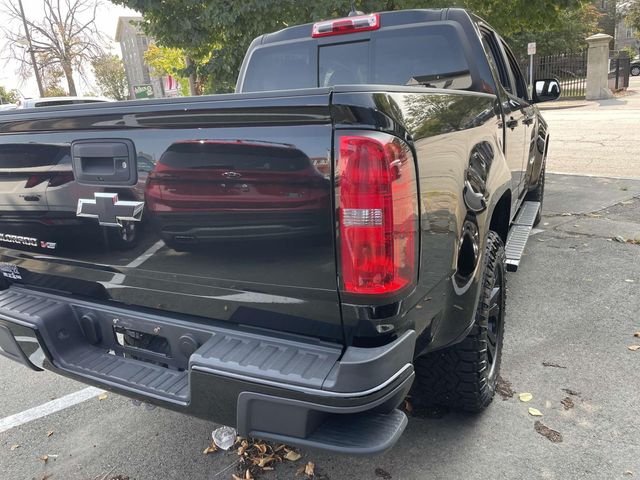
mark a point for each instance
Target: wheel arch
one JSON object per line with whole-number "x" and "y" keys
{"x": 501, "y": 216}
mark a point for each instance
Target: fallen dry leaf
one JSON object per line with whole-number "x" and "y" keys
{"x": 551, "y": 435}
{"x": 637, "y": 334}
{"x": 634, "y": 348}
{"x": 534, "y": 412}
{"x": 263, "y": 461}
{"x": 242, "y": 448}
{"x": 243, "y": 477}
{"x": 407, "y": 406}
{"x": 567, "y": 402}
{"x": 555, "y": 365}
{"x": 14, "y": 447}
{"x": 102, "y": 396}
{"x": 571, "y": 392}
{"x": 210, "y": 449}
{"x": 247, "y": 476}
{"x": 628, "y": 472}
{"x": 309, "y": 469}
{"x": 49, "y": 433}
{"x": 381, "y": 473}
{"x": 292, "y": 456}
{"x": 525, "y": 397}
{"x": 504, "y": 389}
{"x": 44, "y": 458}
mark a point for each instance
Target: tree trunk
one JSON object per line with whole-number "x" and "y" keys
{"x": 193, "y": 89}
{"x": 68, "y": 73}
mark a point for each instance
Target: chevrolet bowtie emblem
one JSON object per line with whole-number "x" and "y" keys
{"x": 110, "y": 211}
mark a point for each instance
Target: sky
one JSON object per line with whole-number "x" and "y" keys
{"x": 106, "y": 21}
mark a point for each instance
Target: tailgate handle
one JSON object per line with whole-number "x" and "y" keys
{"x": 104, "y": 162}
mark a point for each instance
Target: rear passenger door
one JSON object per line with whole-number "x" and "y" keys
{"x": 529, "y": 115}
{"x": 513, "y": 108}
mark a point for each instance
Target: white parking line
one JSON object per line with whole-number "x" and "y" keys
{"x": 118, "y": 278}
{"x": 48, "y": 408}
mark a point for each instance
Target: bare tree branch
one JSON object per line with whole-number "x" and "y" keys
{"x": 65, "y": 39}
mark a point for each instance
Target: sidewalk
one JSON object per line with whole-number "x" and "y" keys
{"x": 629, "y": 98}
{"x": 598, "y": 138}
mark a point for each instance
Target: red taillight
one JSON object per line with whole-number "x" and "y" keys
{"x": 360, "y": 23}
{"x": 36, "y": 179}
{"x": 55, "y": 179}
{"x": 60, "y": 178}
{"x": 377, "y": 200}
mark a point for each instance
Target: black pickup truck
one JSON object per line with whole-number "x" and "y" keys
{"x": 305, "y": 248}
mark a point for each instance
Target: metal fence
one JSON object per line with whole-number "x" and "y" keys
{"x": 569, "y": 68}
{"x": 619, "y": 70}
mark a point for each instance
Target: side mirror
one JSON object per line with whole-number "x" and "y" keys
{"x": 546, "y": 90}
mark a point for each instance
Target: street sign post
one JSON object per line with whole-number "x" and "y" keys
{"x": 531, "y": 51}
{"x": 143, "y": 91}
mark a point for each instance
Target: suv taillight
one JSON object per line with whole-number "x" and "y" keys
{"x": 55, "y": 179}
{"x": 377, "y": 202}
{"x": 60, "y": 178}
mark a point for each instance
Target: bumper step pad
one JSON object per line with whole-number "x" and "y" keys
{"x": 519, "y": 234}
{"x": 154, "y": 380}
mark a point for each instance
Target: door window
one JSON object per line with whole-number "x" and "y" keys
{"x": 495, "y": 57}
{"x": 521, "y": 84}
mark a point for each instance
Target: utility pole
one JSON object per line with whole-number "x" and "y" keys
{"x": 31, "y": 52}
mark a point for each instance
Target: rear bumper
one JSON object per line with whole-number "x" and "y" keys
{"x": 282, "y": 388}
{"x": 211, "y": 227}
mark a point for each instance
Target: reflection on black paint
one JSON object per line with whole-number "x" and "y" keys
{"x": 39, "y": 198}
{"x": 207, "y": 190}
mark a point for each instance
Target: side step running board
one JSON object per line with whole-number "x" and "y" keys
{"x": 519, "y": 234}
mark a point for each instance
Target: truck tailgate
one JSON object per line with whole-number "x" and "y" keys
{"x": 236, "y": 218}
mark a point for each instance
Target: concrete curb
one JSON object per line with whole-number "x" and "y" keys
{"x": 576, "y": 104}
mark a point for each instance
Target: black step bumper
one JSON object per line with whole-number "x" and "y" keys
{"x": 272, "y": 386}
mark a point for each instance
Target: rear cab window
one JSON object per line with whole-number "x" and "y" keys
{"x": 404, "y": 55}
{"x": 33, "y": 155}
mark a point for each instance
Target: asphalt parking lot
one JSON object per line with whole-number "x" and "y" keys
{"x": 573, "y": 306}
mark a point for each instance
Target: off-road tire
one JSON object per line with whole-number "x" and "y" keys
{"x": 463, "y": 376}
{"x": 537, "y": 195}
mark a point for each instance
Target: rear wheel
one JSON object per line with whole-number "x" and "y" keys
{"x": 464, "y": 376}
{"x": 635, "y": 71}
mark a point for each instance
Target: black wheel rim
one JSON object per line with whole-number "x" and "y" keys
{"x": 494, "y": 320}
